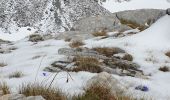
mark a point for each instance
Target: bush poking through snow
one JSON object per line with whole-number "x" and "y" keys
{"x": 99, "y": 92}
{"x": 16, "y": 74}
{"x": 76, "y": 43}
{"x": 45, "y": 92}
{"x": 164, "y": 69}
{"x": 109, "y": 52}
{"x": 168, "y": 54}
{"x": 35, "y": 38}
{"x": 4, "y": 88}
{"x": 87, "y": 64}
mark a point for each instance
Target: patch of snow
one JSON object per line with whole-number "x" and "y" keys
{"x": 17, "y": 34}
{"x": 113, "y": 6}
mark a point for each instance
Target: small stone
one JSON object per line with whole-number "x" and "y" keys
{"x": 35, "y": 98}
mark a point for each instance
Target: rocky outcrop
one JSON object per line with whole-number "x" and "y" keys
{"x": 47, "y": 16}
{"x": 141, "y": 18}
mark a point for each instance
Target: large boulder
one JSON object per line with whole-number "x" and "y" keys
{"x": 141, "y": 18}
{"x": 96, "y": 23}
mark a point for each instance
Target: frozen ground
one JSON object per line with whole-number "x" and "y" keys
{"x": 148, "y": 49}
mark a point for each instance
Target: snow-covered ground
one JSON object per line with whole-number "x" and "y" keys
{"x": 150, "y": 44}
{"x": 113, "y": 6}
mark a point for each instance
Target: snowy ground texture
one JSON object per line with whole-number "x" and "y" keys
{"x": 150, "y": 44}
{"x": 113, "y": 6}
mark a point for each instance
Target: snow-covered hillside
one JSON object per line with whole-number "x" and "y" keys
{"x": 114, "y": 6}
{"x": 148, "y": 49}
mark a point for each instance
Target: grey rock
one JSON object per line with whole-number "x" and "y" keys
{"x": 73, "y": 35}
{"x": 35, "y": 98}
{"x": 95, "y": 24}
{"x": 168, "y": 11}
{"x": 80, "y": 52}
{"x": 140, "y": 17}
{"x": 13, "y": 97}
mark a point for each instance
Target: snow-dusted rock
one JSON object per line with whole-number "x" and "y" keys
{"x": 35, "y": 98}
{"x": 143, "y": 17}
{"x": 95, "y": 24}
{"x": 13, "y": 97}
{"x": 105, "y": 79}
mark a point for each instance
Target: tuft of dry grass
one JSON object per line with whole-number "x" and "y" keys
{"x": 167, "y": 53}
{"x": 4, "y": 88}
{"x": 3, "y": 64}
{"x": 127, "y": 57}
{"x": 98, "y": 92}
{"x": 76, "y": 43}
{"x": 87, "y": 64}
{"x": 16, "y": 74}
{"x": 164, "y": 69}
{"x": 45, "y": 92}
{"x": 109, "y": 52}
{"x": 36, "y": 38}
{"x": 132, "y": 24}
{"x": 100, "y": 33}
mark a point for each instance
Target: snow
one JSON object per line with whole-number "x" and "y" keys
{"x": 148, "y": 49}
{"x": 113, "y": 6}
{"x": 16, "y": 34}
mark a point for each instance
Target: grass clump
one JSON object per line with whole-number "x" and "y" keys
{"x": 164, "y": 69}
{"x": 35, "y": 38}
{"x": 100, "y": 33}
{"x": 99, "y": 92}
{"x": 109, "y": 52}
{"x": 132, "y": 24}
{"x": 167, "y": 53}
{"x": 3, "y": 64}
{"x": 127, "y": 57}
{"x": 76, "y": 43}
{"x": 16, "y": 74}
{"x": 45, "y": 92}
{"x": 4, "y": 88}
{"x": 87, "y": 64}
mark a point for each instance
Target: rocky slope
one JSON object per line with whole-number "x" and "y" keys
{"x": 46, "y": 15}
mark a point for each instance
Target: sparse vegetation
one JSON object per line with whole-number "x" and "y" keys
{"x": 132, "y": 24}
{"x": 4, "y": 88}
{"x": 167, "y": 53}
{"x": 109, "y": 52}
{"x": 164, "y": 69}
{"x": 100, "y": 33}
{"x": 76, "y": 43}
{"x": 3, "y": 64}
{"x": 16, "y": 74}
{"x": 45, "y": 92}
{"x": 87, "y": 64}
{"x": 98, "y": 92}
{"x": 35, "y": 38}
{"x": 127, "y": 57}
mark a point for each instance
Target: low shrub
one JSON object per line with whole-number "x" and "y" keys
{"x": 45, "y": 92}
{"x": 87, "y": 64}
{"x": 4, "y": 88}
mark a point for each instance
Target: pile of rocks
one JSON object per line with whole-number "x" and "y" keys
{"x": 112, "y": 65}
